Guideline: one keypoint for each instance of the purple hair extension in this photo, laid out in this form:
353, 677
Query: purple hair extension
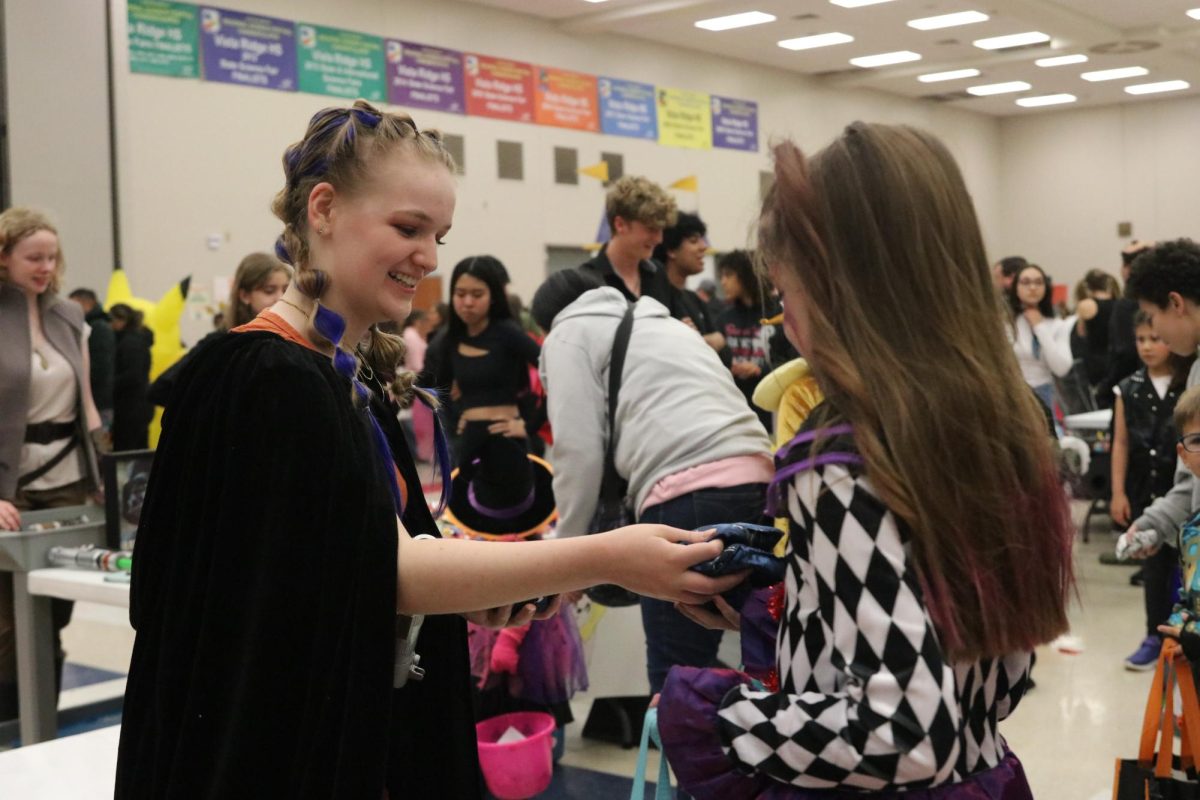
332, 326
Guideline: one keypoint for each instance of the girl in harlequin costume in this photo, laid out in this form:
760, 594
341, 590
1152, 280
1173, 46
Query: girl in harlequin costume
289, 670
506, 495
929, 548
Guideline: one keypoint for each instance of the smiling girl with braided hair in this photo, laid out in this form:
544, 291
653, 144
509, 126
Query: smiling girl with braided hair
275, 550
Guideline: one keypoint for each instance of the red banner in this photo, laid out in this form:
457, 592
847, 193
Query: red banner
498, 88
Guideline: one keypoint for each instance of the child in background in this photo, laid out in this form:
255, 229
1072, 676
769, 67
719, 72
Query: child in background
742, 324
1182, 624
1143, 467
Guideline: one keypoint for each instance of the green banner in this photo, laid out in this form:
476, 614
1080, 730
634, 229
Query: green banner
340, 63
162, 38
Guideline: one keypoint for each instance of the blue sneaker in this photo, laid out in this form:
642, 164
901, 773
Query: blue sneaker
1146, 656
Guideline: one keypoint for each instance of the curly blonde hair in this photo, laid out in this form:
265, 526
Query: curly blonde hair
639, 199
340, 147
19, 223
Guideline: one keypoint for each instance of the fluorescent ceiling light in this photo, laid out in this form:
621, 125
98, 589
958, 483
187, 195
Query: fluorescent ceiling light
1161, 86
884, 59
857, 3
595, 1
948, 20
952, 75
998, 88
735, 21
1061, 61
1115, 74
1194, 13
1012, 40
820, 40
1046, 100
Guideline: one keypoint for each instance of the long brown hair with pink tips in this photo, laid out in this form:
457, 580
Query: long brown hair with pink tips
908, 343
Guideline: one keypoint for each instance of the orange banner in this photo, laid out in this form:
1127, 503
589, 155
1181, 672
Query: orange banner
566, 99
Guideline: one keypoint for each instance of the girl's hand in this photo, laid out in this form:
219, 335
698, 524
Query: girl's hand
745, 369
10, 518
728, 619
648, 560
513, 428
1171, 630
1119, 509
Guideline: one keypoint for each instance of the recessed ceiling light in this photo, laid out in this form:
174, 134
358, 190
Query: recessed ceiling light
1046, 100
1115, 74
735, 21
884, 59
595, 1
857, 3
1012, 40
820, 40
1194, 13
1161, 86
1061, 61
954, 74
998, 88
948, 20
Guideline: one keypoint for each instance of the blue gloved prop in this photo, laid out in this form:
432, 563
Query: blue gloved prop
747, 546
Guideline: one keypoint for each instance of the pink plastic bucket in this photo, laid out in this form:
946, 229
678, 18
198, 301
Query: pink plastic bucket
516, 770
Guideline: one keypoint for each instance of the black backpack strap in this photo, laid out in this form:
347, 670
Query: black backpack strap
610, 485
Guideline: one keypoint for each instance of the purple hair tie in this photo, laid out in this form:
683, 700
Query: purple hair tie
366, 117
282, 252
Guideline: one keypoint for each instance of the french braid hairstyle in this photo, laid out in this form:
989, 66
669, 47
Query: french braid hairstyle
340, 147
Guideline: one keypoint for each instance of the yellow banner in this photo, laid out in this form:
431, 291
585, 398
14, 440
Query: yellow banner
684, 119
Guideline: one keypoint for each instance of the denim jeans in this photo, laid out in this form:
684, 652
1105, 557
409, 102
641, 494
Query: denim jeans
672, 638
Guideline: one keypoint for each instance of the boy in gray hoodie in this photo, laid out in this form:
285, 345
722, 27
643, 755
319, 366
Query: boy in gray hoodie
692, 450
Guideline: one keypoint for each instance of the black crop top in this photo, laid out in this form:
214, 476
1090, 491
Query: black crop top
496, 378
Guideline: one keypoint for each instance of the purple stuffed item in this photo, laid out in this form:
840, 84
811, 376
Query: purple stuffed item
687, 725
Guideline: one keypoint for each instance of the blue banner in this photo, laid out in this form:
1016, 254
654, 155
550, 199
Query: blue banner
627, 109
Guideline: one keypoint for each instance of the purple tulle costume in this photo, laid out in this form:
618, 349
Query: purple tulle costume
551, 667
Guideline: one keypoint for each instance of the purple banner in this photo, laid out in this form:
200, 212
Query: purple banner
247, 49
734, 123
420, 76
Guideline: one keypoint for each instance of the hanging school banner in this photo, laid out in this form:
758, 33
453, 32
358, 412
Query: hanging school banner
339, 63
162, 38
248, 49
498, 88
684, 119
627, 109
420, 76
566, 99
734, 123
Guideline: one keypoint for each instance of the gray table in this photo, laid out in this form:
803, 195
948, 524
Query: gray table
20, 553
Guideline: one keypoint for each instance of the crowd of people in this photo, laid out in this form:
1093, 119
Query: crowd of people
927, 550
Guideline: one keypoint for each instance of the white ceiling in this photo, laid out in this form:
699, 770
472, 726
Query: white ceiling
1162, 37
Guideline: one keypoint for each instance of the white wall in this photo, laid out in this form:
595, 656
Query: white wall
58, 126
199, 158
1069, 177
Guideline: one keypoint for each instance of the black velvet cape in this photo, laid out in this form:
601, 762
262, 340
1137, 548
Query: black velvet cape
264, 595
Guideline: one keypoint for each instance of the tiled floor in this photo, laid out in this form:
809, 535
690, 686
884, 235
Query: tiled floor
1085, 711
